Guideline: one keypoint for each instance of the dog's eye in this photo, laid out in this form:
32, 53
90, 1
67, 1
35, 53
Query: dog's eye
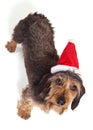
73, 88
58, 82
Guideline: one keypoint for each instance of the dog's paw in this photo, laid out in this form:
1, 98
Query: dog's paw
24, 110
23, 114
11, 46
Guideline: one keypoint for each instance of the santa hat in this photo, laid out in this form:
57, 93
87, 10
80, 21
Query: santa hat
68, 60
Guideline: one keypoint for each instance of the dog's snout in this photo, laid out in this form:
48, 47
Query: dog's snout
61, 101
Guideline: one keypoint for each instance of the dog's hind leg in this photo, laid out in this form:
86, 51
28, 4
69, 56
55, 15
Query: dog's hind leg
19, 34
11, 46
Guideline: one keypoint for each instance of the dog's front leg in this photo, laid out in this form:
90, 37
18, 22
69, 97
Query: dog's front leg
25, 104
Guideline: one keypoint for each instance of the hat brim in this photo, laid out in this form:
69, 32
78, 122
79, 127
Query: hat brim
59, 68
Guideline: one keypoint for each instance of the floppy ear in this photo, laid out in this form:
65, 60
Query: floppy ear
43, 88
77, 99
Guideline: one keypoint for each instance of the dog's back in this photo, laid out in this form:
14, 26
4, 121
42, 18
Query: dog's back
36, 34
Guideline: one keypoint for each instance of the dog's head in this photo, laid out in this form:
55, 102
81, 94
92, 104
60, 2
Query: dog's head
61, 89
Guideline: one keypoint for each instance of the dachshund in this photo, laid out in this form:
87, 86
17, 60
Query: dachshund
45, 89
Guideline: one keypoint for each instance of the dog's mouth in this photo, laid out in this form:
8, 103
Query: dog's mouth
56, 103
59, 103
56, 107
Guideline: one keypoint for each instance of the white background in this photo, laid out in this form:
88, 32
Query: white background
72, 19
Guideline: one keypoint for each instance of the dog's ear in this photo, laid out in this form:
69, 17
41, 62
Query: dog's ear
44, 87
77, 99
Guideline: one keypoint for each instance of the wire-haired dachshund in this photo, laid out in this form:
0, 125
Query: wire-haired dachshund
46, 90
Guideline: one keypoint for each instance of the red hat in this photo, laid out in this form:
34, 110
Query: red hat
68, 60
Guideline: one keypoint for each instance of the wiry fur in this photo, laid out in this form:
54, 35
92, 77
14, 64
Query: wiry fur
48, 91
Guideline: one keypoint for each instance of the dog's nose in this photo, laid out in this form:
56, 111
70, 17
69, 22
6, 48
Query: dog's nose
61, 101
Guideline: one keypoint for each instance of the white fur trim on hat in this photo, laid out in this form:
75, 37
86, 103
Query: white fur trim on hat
58, 68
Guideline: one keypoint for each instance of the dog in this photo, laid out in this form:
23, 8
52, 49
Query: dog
46, 90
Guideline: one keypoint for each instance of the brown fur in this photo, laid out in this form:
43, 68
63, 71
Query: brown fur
46, 90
